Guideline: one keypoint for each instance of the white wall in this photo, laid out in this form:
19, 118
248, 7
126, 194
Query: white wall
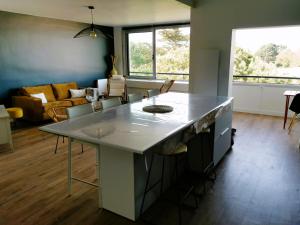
208, 64
267, 99
212, 22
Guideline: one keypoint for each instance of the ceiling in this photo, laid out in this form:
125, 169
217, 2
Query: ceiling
107, 12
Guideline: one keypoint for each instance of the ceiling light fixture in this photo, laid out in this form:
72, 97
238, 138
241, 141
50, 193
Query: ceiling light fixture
91, 31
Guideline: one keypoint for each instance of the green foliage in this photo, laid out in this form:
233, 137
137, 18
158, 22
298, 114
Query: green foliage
173, 38
140, 57
286, 63
243, 62
172, 55
269, 52
288, 58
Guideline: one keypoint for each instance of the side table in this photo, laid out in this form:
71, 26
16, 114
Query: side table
288, 94
5, 129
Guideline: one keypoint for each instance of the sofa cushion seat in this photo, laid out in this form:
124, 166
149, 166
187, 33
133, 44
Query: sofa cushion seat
77, 101
61, 91
46, 89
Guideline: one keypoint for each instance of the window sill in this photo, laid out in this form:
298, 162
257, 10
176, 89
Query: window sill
239, 83
180, 86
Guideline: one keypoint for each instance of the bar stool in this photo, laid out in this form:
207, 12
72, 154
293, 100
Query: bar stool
174, 153
295, 107
152, 92
134, 97
202, 129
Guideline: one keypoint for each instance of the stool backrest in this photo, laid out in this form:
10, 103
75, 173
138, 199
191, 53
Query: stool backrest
57, 114
79, 110
295, 105
134, 97
166, 86
109, 103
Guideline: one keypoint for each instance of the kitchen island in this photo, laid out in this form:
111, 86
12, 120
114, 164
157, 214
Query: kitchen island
125, 135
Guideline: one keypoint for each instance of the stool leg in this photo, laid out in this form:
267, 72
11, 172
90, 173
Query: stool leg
146, 186
196, 199
81, 148
56, 144
210, 145
178, 193
202, 158
162, 176
292, 122
70, 166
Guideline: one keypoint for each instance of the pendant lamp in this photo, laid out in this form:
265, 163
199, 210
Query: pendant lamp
91, 31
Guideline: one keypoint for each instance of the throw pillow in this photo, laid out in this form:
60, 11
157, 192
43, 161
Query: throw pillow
77, 93
40, 96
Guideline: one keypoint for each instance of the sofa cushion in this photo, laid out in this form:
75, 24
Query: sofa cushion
46, 89
61, 91
77, 93
40, 96
77, 101
49, 105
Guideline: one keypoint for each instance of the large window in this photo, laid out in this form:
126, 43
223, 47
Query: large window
267, 55
159, 53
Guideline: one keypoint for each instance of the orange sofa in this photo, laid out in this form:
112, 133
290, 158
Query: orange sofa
56, 95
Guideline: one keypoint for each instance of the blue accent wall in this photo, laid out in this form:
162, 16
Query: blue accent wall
36, 50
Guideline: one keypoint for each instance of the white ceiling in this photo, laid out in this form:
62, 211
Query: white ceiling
107, 12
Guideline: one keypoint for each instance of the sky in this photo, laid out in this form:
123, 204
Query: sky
253, 39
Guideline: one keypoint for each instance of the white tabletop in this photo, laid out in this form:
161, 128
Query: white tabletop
3, 112
129, 128
290, 92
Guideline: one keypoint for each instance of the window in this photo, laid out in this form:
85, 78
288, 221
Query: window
140, 47
267, 55
159, 53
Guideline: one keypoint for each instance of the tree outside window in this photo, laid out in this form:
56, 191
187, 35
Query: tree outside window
270, 55
167, 59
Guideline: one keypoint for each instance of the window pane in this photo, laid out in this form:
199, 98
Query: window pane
267, 55
140, 54
172, 53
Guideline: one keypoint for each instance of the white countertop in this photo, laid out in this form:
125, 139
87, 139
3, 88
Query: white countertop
129, 128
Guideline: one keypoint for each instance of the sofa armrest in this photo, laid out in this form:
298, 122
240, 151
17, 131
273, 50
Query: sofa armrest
32, 107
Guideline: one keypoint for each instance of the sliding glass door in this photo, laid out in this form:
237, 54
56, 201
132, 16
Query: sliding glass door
140, 54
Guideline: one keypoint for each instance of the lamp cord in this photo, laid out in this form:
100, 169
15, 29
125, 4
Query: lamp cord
92, 16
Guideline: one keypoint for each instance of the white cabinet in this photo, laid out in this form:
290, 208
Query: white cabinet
5, 131
222, 138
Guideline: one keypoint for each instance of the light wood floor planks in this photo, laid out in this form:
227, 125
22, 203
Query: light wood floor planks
258, 182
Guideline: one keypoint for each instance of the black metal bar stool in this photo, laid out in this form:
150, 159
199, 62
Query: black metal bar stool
174, 152
199, 134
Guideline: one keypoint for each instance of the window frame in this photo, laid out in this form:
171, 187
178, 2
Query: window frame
152, 29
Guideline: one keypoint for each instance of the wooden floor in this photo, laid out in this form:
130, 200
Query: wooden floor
258, 181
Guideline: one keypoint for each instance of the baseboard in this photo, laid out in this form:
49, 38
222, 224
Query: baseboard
262, 112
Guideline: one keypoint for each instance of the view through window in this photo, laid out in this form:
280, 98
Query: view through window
140, 54
159, 53
267, 55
